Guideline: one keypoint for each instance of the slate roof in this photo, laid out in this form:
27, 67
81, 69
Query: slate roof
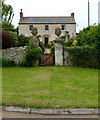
47, 20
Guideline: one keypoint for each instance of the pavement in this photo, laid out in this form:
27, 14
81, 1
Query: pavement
53, 111
6, 114
18, 112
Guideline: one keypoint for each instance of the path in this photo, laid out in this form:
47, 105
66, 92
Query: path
26, 115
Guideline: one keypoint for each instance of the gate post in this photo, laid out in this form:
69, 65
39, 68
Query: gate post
58, 48
58, 54
35, 41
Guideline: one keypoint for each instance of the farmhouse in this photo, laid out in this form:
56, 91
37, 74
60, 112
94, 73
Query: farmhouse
46, 26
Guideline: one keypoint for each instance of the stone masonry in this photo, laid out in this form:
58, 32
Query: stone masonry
15, 53
18, 53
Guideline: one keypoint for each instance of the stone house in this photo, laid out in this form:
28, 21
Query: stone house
46, 26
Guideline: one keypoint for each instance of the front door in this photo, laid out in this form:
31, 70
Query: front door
46, 40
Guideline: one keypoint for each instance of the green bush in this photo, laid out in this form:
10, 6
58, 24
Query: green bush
42, 46
8, 63
32, 55
8, 26
25, 63
50, 46
20, 40
84, 56
69, 42
89, 36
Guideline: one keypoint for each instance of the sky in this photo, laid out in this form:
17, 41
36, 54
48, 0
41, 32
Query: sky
57, 8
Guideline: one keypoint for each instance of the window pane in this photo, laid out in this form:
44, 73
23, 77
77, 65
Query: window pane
63, 27
46, 27
30, 27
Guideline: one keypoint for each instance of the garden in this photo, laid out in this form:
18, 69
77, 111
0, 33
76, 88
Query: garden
50, 87
75, 86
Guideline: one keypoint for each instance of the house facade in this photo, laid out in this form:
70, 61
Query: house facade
46, 26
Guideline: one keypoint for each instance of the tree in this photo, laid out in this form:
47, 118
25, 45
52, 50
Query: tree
7, 13
89, 36
7, 17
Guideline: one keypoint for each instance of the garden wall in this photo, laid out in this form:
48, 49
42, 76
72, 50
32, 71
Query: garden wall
14, 53
66, 59
18, 53
76, 56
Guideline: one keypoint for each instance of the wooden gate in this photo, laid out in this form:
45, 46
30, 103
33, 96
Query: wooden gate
47, 59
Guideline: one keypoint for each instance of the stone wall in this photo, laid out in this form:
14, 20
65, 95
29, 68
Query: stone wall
66, 58
15, 53
18, 53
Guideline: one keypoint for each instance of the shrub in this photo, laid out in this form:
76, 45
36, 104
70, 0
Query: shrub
69, 42
50, 46
89, 36
75, 43
8, 26
8, 63
20, 40
32, 55
15, 39
6, 40
51, 43
84, 56
52, 49
42, 46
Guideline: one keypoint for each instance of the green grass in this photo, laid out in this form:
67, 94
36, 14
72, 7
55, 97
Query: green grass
50, 87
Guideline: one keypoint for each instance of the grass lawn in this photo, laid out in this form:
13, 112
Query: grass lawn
50, 87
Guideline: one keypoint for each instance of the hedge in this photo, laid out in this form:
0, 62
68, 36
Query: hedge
8, 63
86, 56
33, 53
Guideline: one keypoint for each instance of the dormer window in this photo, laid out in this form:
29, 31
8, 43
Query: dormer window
46, 27
63, 27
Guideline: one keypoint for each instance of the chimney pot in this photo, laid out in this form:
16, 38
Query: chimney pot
72, 15
21, 14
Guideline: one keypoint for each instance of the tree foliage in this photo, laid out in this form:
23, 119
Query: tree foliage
87, 51
7, 17
8, 26
89, 36
20, 40
7, 13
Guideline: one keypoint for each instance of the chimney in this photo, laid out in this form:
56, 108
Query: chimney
72, 15
21, 14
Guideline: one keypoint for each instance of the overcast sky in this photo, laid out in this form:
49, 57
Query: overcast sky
57, 8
